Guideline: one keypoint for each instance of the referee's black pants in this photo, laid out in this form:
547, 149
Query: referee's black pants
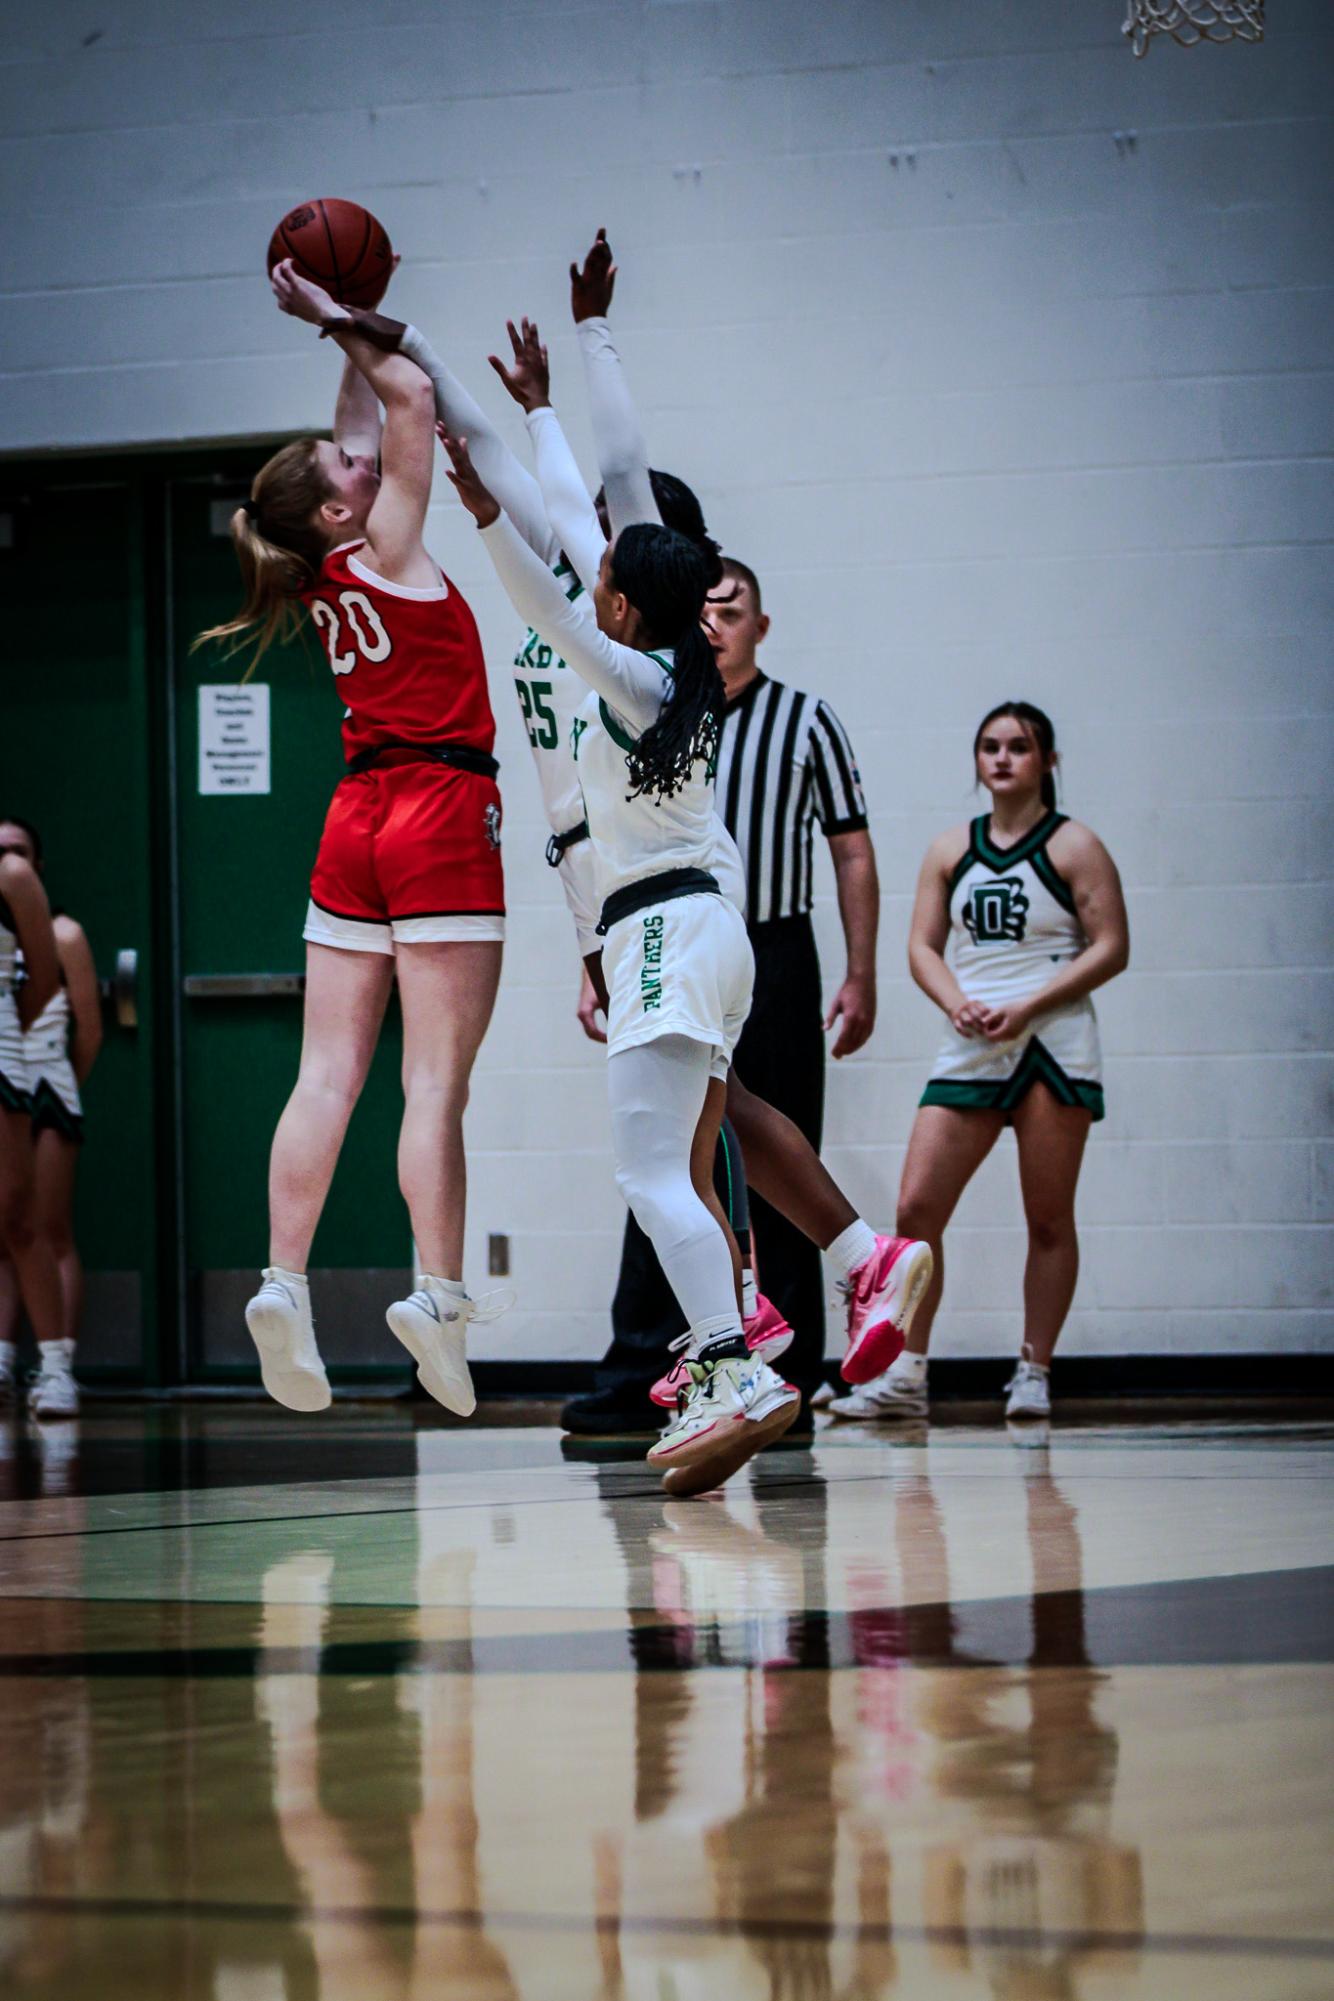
780, 1057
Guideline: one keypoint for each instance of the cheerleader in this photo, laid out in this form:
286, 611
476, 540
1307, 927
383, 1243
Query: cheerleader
1033, 902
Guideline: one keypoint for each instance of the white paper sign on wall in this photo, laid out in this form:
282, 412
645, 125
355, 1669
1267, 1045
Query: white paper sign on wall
234, 738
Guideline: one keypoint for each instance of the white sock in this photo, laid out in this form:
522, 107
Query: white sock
288, 1277
851, 1247
750, 1295
908, 1366
453, 1287
8, 1354
710, 1333
56, 1357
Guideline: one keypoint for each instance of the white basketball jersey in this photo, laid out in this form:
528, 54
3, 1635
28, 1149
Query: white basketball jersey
551, 695
638, 834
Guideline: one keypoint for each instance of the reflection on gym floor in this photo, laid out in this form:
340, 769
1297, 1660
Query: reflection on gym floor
881, 1720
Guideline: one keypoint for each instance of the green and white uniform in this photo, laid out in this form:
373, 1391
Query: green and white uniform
55, 1088
680, 965
15, 1081
1013, 921
550, 696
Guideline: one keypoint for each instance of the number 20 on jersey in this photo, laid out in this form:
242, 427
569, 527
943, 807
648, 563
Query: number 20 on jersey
370, 641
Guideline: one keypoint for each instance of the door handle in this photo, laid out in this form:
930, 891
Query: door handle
125, 988
243, 986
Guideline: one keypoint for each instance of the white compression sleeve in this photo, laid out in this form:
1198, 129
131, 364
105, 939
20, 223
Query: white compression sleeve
572, 515
657, 1093
621, 447
511, 483
630, 682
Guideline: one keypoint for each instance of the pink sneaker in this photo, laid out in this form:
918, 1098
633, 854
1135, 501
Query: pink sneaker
882, 1295
767, 1335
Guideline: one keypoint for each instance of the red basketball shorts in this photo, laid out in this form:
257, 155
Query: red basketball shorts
410, 854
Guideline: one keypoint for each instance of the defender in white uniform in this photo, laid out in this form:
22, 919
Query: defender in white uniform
678, 961
1013, 920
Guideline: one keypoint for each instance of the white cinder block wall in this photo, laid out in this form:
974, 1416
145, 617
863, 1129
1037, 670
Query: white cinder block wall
1005, 359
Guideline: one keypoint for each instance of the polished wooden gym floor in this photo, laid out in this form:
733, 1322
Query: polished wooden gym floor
359, 1705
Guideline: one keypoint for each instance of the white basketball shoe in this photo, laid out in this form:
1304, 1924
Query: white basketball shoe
284, 1334
733, 1408
897, 1393
432, 1324
1029, 1390
52, 1390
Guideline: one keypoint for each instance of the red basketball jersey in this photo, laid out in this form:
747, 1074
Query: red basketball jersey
408, 662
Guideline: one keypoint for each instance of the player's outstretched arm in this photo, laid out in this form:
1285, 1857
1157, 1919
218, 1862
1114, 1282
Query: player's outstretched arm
631, 682
621, 446
395, 524
565, 498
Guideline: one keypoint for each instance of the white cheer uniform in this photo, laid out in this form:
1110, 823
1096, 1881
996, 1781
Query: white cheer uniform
1013, 922
55, 1088
15, 1082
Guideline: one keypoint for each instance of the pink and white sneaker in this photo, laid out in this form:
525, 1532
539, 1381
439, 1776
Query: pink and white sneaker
882, 1295
767, 1337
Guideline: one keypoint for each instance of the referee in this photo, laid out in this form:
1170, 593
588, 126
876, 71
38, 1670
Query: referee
784, 765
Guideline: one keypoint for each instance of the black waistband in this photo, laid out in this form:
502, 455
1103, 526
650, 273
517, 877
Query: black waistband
558, 843
664, 888
461, 756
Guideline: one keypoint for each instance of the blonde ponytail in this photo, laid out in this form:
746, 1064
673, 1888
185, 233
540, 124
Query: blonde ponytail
279, 549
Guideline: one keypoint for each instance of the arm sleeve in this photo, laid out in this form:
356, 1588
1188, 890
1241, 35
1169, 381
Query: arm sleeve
573, 518
629, 682
840, 803
511, 483
622, 451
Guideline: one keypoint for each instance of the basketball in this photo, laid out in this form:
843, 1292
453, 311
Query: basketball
339, 245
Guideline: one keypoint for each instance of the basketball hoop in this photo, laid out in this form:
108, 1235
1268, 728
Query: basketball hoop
1191, 21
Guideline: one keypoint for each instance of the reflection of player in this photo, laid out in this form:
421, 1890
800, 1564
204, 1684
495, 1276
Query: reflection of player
1032, 1876
1035, 906
407, 884
401, 1836
61, 1046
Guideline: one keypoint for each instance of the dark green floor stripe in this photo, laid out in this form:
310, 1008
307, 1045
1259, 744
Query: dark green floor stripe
1276, 1618
1015, 1938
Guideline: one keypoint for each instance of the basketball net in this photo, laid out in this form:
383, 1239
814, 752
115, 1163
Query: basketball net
1191, 21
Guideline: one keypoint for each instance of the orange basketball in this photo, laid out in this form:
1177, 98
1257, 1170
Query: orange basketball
339, 245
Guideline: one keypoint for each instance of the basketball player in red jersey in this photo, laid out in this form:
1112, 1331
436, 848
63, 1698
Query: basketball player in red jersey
407, 882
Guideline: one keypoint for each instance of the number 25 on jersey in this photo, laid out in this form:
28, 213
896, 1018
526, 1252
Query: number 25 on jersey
370, 641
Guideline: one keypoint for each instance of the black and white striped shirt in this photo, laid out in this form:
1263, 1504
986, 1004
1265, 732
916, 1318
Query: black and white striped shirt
784, 762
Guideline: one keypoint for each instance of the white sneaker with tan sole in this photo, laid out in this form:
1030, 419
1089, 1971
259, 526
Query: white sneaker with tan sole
283, 1332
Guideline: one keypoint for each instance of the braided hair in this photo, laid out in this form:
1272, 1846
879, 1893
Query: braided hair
1044, 736
665, 576
678, 507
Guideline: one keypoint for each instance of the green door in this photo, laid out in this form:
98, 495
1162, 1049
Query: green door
77, 736
243, 859
108, 569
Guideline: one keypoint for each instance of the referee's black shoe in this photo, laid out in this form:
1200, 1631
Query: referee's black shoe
612, 1413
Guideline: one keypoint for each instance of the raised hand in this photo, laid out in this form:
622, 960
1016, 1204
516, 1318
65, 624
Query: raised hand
303, 299
529, 380
480, 502
591, 288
